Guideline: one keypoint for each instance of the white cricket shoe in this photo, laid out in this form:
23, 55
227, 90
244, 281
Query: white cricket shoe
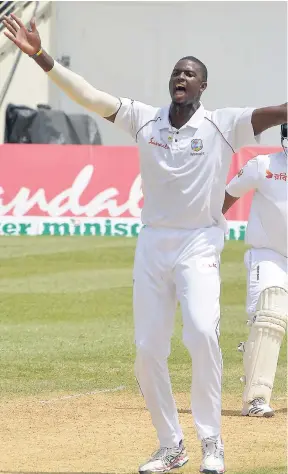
257, 407
213, 456
165, 459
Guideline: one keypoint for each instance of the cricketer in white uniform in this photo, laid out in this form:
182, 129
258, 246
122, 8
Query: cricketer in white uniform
185, 154
267, 272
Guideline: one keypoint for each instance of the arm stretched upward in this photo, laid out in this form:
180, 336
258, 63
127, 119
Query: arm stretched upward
100, 102
75, 86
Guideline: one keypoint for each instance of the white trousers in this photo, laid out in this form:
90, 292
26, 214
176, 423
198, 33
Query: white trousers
171, 265
265, 268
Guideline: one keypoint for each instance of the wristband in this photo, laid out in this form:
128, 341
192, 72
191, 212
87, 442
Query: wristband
36, 55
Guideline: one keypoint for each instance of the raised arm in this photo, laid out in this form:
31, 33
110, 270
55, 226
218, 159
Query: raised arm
268, 117
75, 86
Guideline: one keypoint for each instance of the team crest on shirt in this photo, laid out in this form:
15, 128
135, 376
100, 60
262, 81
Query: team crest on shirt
196, 144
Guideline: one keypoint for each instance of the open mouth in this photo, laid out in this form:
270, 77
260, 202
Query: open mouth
180, 90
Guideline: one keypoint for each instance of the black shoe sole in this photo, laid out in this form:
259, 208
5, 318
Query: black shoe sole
266, 415
208, 471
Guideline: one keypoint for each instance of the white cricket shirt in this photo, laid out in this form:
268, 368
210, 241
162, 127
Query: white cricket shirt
184, 171
267, 223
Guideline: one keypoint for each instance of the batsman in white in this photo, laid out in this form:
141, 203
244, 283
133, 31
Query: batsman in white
185, 154
267, 272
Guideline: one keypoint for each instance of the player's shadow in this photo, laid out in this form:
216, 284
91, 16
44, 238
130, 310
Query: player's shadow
233, 412
188, 412
66, 472
58, 472
238, 412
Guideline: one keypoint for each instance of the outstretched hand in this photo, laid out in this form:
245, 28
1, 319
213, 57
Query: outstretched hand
27, 40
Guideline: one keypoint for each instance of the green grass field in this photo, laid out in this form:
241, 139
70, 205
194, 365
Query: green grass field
66, 319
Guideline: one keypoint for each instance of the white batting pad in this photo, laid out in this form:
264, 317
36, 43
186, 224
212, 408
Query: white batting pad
262, 348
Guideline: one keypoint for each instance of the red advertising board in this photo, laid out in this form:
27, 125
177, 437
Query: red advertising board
67, 189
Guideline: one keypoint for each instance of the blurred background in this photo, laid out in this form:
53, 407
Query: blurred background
130, 48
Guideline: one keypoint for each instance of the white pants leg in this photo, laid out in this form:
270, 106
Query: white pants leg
265, 269
154, 302
198, 290
189, 260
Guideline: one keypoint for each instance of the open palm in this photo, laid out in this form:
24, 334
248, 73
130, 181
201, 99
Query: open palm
27, 40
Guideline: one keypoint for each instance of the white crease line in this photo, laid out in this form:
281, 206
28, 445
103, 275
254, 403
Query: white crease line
105, 390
